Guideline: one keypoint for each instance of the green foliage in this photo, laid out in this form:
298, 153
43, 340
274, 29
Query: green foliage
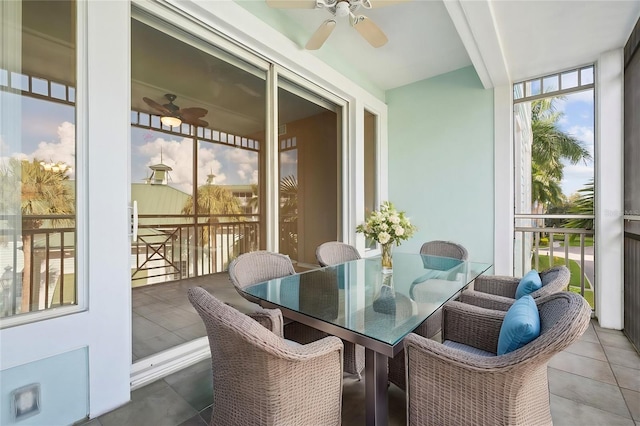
289, 216
214, 201
289, 198
36, 191
549, 147
584, 206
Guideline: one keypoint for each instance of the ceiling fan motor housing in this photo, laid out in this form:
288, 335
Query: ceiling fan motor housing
343, 8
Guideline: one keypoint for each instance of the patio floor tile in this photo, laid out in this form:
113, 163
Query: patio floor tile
588, 391
567, 412
583, 366
164, 407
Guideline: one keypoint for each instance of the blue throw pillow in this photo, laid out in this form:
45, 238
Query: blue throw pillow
520, 326
529, 283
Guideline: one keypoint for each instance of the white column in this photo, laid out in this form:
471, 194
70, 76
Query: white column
106, 104
609, 190
503, 181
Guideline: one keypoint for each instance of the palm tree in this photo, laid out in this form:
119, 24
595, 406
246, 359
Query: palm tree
289, 215
213, 200
545, 189
255, 199
41, 192
549, 147
584, 206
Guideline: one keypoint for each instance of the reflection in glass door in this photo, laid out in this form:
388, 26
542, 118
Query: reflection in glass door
309, 164
38, 254
197, 139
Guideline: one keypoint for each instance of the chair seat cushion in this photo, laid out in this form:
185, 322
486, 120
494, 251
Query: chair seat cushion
529, 283
520, 326
467, 348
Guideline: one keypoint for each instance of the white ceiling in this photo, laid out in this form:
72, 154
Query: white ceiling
505, 40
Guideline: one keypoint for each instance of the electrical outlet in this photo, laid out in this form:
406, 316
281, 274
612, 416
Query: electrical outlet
25, 401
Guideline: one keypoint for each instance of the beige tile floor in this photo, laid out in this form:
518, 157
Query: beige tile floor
596, 381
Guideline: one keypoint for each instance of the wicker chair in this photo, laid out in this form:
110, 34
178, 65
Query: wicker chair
499, 292
333, 253
446, 385
258, 266
432, 325
259, 379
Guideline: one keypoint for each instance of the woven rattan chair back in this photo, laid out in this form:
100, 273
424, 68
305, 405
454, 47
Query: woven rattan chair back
258, 266
259, 379
335, 252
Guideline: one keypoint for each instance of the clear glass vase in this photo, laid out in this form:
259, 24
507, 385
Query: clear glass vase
387, 259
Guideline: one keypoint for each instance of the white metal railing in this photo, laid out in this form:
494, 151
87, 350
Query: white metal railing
537, 241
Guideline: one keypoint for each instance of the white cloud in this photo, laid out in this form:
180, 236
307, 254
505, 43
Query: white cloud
582, 133
289, 157
179, 156
576, 176
60, 151
208, 164
245, 163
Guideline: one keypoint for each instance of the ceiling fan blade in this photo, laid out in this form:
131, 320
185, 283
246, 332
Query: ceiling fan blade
370, 31
321, 35
195, 121
292, 4
158, 107
382, 3
194, 112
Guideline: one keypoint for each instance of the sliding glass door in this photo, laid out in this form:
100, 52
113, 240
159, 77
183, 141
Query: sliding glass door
309, 134
203, 159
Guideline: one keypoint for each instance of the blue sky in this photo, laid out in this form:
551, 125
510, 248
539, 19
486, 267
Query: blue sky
578, 121
48, 132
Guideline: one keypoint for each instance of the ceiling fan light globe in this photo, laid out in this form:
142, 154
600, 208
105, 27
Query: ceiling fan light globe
170, 121
342, 9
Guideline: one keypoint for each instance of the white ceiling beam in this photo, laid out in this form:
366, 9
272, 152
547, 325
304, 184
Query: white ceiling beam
474, 21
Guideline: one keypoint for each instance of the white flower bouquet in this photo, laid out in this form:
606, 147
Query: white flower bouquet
387, 225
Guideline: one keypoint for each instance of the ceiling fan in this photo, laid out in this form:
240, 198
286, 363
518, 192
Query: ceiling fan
173, 115
340, 8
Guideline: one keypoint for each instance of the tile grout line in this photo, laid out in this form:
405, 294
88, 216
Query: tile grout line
626, 404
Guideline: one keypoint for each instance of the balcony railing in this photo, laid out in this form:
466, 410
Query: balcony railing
174, 247
46, 255
168, 248
539, 247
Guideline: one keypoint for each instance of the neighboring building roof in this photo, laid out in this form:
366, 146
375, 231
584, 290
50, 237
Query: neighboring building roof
158, 199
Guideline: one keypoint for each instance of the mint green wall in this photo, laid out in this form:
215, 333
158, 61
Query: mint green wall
64, 389
441, 160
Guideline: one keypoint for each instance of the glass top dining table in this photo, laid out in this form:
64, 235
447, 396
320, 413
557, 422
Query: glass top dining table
359, 303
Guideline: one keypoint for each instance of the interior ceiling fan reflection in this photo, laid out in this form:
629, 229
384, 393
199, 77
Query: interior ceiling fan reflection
173, 115
340, 8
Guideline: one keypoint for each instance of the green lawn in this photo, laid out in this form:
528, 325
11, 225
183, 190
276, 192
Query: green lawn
574, 268
588, 241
